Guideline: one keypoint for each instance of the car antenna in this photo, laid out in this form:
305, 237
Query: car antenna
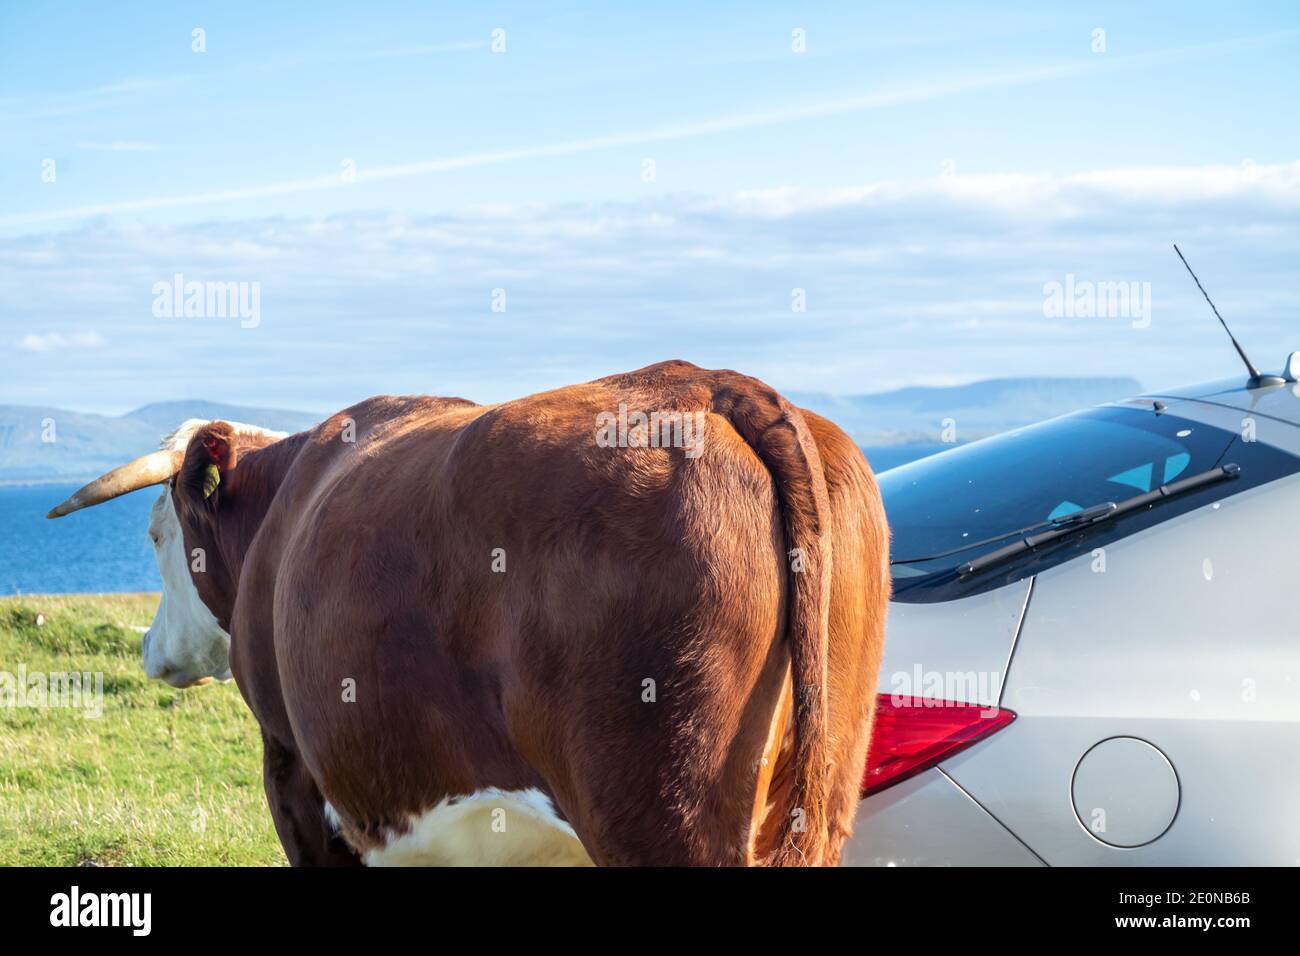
1256, 379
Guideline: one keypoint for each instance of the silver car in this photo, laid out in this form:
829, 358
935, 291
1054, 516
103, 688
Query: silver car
1091, 656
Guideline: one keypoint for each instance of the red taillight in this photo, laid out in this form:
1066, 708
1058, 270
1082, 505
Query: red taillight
911, 734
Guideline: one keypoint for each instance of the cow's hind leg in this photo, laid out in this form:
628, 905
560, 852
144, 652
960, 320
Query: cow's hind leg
298, 810
659, 761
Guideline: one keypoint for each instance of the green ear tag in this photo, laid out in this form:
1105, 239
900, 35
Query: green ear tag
211, 478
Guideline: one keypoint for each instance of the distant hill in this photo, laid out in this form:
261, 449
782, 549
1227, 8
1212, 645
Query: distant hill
167, 415
893, 427
915, 415
87, 445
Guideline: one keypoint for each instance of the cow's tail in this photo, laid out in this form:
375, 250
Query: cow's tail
778, 434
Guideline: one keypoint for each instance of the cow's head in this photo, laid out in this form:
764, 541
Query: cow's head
185, 645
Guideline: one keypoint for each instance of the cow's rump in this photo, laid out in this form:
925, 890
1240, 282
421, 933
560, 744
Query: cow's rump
505, 598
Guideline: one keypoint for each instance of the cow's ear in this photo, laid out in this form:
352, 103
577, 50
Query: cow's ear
209, 458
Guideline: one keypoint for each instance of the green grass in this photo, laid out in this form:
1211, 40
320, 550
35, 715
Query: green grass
162, 777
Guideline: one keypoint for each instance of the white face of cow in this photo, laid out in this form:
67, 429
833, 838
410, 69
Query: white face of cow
185, 645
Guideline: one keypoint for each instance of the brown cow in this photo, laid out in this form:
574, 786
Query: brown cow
551, 629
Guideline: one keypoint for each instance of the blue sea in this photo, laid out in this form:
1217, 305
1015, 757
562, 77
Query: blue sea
106, 548
102, 549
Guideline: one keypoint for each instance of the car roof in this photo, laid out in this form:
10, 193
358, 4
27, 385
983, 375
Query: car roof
1275, 401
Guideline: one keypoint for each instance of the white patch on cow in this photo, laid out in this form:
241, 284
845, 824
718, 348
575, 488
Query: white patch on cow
185, 644
332, 817
488, 828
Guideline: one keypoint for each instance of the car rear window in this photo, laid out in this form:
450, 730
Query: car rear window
949, 508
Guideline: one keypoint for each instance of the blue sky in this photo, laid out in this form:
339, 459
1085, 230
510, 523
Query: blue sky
920, 172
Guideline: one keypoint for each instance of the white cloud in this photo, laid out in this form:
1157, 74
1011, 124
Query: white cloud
1048, 196
118, 146
904, 281
58, 341
70, 102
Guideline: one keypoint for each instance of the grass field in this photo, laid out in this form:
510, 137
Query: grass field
162, 777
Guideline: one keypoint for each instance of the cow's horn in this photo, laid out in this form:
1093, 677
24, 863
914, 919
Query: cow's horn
146, 470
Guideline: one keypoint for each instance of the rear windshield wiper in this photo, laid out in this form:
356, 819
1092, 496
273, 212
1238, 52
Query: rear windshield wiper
1066, 519
1088, 517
